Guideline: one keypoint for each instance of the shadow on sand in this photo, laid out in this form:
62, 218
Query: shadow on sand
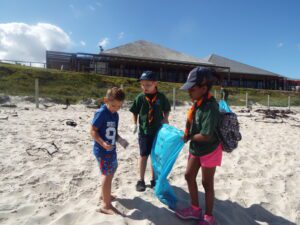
226, 212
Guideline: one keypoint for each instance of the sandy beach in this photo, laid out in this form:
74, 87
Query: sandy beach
49, 174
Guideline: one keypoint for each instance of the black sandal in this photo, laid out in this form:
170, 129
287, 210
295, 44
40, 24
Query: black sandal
140, 186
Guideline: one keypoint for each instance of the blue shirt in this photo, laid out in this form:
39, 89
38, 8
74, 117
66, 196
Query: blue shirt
107, 124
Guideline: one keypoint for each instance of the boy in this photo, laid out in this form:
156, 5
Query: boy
152, 108
104, 131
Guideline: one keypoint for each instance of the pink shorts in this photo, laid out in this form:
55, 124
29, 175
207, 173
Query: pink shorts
212, 159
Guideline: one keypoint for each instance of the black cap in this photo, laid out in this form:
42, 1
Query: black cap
148, 75
198, 75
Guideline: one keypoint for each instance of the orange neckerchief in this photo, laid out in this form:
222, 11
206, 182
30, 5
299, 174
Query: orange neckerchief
151, 110
190, 115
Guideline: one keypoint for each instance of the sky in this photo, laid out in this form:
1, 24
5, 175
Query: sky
260, 33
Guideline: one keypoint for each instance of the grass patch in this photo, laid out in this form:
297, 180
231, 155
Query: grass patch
60, 85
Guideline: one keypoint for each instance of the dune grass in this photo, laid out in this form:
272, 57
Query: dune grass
61, 85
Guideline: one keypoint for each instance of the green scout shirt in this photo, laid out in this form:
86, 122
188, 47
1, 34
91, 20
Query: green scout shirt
140, 107
205, 121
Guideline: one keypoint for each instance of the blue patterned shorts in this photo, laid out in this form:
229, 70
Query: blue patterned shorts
107, 163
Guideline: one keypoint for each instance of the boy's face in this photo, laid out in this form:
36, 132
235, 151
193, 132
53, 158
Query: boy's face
149, 87
196, 92
114, 105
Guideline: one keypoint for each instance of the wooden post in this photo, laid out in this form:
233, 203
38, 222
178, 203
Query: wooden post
174, 98
268, 101
289, 102
37, 93
215, 94
122, 86
229, 81
246, 99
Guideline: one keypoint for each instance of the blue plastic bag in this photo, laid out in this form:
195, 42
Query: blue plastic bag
165, 150
223, 106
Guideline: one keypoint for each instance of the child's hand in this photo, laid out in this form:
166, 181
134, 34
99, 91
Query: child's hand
185, 139
123, 143
107, 146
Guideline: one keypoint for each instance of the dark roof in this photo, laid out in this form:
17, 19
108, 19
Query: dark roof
147, 50
237, 67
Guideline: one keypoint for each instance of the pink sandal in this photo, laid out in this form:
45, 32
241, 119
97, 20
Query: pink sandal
189, 213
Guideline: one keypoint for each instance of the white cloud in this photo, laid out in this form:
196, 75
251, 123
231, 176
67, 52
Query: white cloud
98, 4
103, 42
280, 44
82, 43
20, 41
121, 35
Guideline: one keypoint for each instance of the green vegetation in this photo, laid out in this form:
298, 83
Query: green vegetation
62, 85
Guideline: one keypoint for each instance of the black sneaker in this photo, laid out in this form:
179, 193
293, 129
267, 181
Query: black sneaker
152, 183
140, 186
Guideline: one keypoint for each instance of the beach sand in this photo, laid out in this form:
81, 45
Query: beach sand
50, 176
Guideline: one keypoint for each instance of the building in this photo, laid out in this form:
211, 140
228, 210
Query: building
243, 75
131, 59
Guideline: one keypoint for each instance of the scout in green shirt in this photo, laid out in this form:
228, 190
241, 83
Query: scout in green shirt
205, 122
140, 107
205, 148
224, 93
151, 108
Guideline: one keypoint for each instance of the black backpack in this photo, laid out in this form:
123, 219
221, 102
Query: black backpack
229, 131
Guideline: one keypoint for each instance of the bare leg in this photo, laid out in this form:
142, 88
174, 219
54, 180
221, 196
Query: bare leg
107, 208
112, 196
152, 171
190, 176
208, 184
143, 165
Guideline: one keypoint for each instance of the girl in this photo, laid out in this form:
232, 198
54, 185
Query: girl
205, 150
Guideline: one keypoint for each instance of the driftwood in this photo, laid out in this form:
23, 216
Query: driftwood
92, 106
263, 120
9, 105
29, 150
276, 116
48, 106
274, 113
244, 111
250, 115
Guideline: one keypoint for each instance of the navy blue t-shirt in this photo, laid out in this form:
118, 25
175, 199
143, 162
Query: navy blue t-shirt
107, 124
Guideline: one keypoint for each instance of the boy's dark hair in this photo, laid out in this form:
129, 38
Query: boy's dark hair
115, 93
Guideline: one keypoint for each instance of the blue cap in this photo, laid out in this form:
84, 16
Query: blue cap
148, 75
198, 75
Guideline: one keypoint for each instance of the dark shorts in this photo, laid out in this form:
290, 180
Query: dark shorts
107, 163
145, 142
